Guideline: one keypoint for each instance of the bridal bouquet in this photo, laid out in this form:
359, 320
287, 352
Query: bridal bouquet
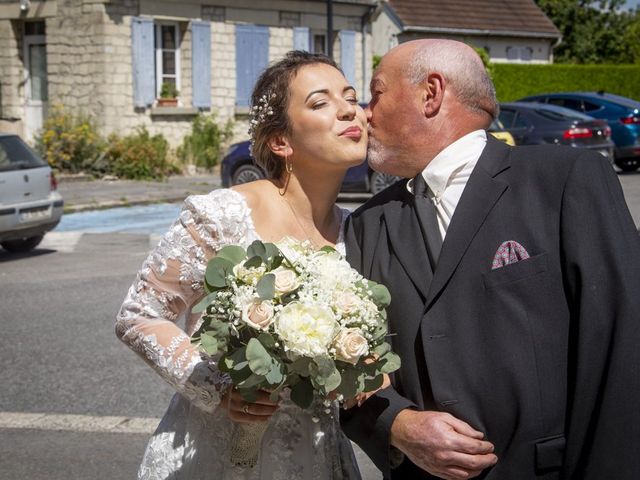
289, 316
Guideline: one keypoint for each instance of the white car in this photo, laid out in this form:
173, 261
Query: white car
30, 205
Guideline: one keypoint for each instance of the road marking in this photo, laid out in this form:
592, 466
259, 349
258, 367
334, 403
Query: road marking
61, 241
78, 423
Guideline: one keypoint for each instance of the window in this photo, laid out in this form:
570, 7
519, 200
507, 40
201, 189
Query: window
524, 54
319, 43
571, 103
591, 107
507, 117
167, 41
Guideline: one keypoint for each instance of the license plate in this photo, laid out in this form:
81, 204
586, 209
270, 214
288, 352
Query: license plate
34, 215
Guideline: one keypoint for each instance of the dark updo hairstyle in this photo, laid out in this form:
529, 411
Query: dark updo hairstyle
269, 104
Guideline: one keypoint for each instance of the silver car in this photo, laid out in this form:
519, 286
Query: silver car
30, 206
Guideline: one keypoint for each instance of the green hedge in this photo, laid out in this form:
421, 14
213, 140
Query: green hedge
516, 81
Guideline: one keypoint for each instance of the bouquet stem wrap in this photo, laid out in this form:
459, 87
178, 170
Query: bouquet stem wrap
245, 443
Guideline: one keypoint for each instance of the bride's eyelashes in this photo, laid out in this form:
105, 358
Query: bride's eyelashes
318, 105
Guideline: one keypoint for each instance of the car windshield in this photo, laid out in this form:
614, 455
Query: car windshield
561, 114
15, 155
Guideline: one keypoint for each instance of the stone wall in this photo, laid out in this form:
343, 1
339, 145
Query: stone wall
11, 75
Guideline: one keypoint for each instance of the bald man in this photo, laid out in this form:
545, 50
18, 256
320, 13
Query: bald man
515, 281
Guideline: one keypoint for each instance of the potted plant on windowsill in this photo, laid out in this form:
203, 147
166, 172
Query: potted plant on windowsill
168, 95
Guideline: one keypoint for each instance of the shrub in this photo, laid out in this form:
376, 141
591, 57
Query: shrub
516, 81
203, 146
139, 156
69, 142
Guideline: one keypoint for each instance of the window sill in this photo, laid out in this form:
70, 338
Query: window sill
174, 111
242, 111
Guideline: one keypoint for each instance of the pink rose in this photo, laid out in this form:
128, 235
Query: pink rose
258, 314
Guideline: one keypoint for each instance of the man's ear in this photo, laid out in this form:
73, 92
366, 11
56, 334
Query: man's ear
433, 93
280, 146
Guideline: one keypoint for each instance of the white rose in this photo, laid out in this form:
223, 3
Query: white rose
306, 329
258, 314
350, 345
286, 280
347, 302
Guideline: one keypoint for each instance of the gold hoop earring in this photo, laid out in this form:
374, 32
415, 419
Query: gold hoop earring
288, 166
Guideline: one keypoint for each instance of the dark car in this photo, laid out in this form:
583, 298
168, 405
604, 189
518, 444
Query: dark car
30, 206
622, 114
533, 123
238, 167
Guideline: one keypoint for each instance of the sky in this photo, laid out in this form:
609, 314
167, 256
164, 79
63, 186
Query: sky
633, 3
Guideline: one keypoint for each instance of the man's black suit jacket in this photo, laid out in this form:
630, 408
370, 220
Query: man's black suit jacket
542, 354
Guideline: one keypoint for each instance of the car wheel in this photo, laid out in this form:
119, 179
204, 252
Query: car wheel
246, 173
22, 245
628, 164
379, 181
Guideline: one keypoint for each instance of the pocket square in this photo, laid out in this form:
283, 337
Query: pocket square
508, 253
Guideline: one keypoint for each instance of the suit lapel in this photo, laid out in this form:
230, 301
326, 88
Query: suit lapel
407, 241
479, 197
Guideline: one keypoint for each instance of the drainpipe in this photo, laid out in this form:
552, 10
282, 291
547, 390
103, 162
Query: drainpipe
330, 28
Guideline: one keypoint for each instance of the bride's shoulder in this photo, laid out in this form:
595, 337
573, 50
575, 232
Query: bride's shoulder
254, 193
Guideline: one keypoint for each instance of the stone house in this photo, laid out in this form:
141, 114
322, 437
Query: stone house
509, 30
110, 58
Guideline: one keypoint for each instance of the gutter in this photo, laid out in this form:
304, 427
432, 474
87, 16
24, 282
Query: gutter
473, 31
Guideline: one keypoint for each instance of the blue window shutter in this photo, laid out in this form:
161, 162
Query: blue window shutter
142, 48
301, 38
252, 56
348, 55
201, 64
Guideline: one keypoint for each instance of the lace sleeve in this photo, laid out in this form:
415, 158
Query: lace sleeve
169, 284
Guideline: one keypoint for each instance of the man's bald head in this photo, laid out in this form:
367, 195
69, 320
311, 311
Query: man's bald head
458, 63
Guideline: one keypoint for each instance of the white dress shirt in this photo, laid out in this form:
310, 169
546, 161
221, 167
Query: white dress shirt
447, 174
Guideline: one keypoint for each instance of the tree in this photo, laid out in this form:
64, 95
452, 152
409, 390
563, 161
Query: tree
594, 31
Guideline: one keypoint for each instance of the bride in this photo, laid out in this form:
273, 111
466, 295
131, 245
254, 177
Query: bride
307, 129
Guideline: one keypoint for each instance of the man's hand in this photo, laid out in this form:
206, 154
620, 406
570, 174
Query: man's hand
441, 444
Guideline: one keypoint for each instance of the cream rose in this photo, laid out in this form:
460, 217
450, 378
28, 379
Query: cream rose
350, 345
286, 280
258, 314
347, 302
306, 329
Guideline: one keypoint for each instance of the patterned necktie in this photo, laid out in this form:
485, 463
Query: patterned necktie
428, 218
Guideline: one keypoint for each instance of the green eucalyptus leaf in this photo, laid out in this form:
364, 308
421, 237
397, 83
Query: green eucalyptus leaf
325, 366
275, 375
371, 384
209, 344
218, 269
381, 349
202, 305
260, 362
381, 295
239, 376
272, 250
300, 366
267, 340
302, 393
328, 249
266, 287
276, 262
257, 249
251, 381
234, 253
349, 385
332, 381
391, 363
253, 262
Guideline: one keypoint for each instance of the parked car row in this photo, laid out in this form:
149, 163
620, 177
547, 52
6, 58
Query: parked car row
30, 205
621, 114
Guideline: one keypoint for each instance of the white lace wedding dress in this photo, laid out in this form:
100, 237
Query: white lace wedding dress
192, 440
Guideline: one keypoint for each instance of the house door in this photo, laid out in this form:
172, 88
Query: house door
36, 89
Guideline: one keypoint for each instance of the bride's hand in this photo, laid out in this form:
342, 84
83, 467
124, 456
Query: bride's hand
240, 410
362, 397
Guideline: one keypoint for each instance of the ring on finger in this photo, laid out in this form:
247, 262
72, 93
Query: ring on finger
245, 409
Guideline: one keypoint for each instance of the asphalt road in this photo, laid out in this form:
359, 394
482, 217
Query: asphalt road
75, 403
